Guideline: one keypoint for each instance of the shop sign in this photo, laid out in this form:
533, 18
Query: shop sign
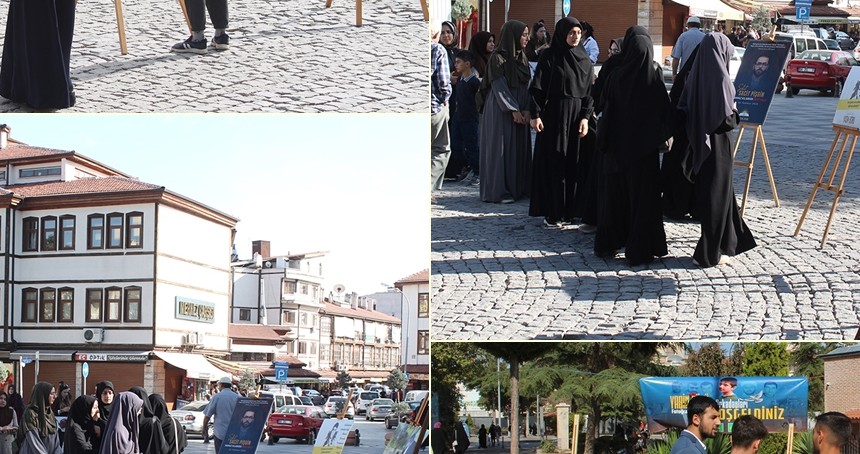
112, 357
194, 310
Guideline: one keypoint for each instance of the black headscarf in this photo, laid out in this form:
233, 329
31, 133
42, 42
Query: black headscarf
6, 412
478, 46
147, 406
605, 72
636, 99
159, 407
151, 437
570, 70
104, 409
508, 59
709, 94
80, 422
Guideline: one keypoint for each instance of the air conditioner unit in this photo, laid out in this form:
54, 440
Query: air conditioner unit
193, 339
93, 335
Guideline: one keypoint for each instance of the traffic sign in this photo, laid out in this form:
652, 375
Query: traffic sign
803, 12
85, 370
803, 3
565, 7
281, 371
26, 360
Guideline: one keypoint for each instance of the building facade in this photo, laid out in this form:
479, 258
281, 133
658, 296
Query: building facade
415, 361
841, 383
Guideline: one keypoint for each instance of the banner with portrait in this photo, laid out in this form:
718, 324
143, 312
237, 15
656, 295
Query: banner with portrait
757, 77
404, 440
777, 401
848, 108
332, 436
246, 425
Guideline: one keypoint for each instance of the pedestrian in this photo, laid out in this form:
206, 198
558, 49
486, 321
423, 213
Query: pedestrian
105, 395
196, 43
440, 92
439, 443
82, 433
123, 429
703, 416
685, 44
708, 104
38, 430
464, 121
832, 431
8, 424
15, 401
174, 434
482, 436
635, 123
482, 45
455, 169
221, 407
494, 435
151, 438
589, 43
747, 434
63, 403
538, 42
560, 108
37, 48
505, 139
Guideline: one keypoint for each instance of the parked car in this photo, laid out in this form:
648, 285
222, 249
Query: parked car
364, 400
315, 396
832, 44
306, 400
191, 416
299, 422
379, 408
334, 405
801, 42
395, 418
822, 70
279, 399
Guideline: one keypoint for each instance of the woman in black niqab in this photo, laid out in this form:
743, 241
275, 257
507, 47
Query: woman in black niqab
81, 437
151, 439
560, 108
635, 121
708, 104
174, 434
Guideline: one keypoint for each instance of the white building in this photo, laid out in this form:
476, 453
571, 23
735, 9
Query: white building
102, 268
416, 327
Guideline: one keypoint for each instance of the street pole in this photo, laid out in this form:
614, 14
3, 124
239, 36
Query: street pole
499, 392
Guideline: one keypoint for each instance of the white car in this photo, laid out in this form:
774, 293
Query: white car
334, 405
191, 416
363, 401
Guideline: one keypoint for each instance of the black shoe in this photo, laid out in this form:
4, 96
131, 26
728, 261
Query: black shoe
190, 45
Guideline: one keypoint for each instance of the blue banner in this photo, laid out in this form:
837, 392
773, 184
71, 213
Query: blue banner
777, 401
755, 82
246, 425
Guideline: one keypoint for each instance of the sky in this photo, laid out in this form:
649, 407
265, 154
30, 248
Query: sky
353, 185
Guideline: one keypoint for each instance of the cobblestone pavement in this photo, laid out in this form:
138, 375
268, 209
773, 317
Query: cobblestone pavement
497, 274
284, 56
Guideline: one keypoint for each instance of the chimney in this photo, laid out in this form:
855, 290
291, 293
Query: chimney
261, 247
4, 136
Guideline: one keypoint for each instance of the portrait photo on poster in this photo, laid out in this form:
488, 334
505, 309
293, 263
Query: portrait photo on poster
332, 436
246, 425
757, 78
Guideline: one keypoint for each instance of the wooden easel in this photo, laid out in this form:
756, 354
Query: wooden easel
789, 446
120, 23
757, 137
844, 133
424, 10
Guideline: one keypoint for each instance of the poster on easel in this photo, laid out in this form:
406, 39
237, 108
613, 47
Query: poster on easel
848, 108
246, 425
332, 436
404, 440
757, 78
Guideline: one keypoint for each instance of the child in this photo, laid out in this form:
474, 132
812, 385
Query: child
464, 121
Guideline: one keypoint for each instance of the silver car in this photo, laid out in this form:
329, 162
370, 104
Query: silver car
191, 416
379, 408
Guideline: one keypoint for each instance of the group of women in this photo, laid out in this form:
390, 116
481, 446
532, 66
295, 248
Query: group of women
130, 422
612, 177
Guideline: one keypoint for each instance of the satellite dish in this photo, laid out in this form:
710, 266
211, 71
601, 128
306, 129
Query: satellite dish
339, 288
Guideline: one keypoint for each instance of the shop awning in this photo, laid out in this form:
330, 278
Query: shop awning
44, 355
195, 366
248, 348
712, 9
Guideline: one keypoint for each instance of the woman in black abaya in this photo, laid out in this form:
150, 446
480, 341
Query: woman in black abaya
36, 52
635, 122
560, 108
708, 103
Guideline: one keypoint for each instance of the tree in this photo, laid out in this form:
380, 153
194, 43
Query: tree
396, 380
343, 379
805, 361
452, 363
761, 20
708, 361
766, 358
248, 380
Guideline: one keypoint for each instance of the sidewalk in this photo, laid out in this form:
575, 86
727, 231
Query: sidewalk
528, 445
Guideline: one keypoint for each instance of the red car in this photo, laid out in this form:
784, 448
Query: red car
823, 70
299, 422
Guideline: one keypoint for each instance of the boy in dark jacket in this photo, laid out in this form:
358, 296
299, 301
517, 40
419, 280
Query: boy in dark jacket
464, 121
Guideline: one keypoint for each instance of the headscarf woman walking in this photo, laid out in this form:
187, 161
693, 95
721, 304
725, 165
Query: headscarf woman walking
708, 103
174, 434
505, 139
635, 121
151, 439
8, 424
122, 433
82, 437
560, 108
38, 430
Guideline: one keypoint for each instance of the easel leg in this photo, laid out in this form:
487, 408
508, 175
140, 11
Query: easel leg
358, 13
738, 141
817, 183
769, 172
185, 14
328, 3
120, 23
425, 10
839, 190
749, 166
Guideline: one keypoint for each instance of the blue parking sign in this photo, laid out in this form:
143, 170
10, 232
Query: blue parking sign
281, 371
803, 12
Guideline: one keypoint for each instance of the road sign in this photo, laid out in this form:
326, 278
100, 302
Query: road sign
85, 370
565, 7
26, 360
281, 371
803, 3
803, 12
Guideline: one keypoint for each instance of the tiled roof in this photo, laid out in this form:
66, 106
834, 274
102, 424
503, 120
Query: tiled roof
17, 150
334, 309
420, 277
815, 10
854, 415
257, 332
850, 350
82, 186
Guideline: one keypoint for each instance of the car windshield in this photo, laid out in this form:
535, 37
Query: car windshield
337, 399
369, 396
292, 410
195, 406
383, 402
815, 55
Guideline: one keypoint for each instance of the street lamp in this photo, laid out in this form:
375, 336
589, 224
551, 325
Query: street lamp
404, 330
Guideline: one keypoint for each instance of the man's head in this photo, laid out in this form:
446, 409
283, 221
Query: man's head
248, 418
832, 430
694, 22
225, 382
703, 417
728, 385
770, 389
761, 65
747, 434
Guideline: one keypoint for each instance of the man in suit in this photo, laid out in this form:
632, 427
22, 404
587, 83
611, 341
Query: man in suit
703, 421
832, 431
747, 434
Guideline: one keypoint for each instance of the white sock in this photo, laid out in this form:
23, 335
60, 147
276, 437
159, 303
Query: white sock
197, 36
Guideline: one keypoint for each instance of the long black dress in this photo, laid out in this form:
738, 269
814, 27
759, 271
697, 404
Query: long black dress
560, 97
80, 429
36, 52
679, 199
707, 103
635, 121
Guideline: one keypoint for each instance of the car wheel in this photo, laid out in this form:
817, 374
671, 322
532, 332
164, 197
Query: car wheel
271, 441
837, 88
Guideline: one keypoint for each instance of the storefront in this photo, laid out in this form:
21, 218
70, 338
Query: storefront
187, 376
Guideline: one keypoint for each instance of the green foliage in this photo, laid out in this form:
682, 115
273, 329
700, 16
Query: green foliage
721, 444
248, 380
548, 446
343, 379
774, 444
396, 380
471, 423
709, 361
460, 9
766, 358
806, 362
802, 443
657, 446
761, 20
452, 363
